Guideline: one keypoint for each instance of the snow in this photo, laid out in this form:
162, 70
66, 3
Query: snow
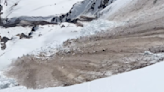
114, 7
49, 37
10, 32
99, 26
6, 82
36, 7
87, 8
52, 36
149, 79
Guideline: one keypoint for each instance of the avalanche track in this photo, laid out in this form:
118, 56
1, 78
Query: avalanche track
134, 41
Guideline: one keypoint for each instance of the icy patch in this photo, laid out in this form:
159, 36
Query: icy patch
6, 82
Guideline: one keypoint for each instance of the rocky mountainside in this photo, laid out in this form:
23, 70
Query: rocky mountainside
89, 8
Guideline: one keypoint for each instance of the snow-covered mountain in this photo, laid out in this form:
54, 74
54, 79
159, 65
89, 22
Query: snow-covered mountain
37, 8
86, 7
16, 10
49, 43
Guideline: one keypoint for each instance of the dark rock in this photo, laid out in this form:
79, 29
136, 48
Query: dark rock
24, 36
4, 39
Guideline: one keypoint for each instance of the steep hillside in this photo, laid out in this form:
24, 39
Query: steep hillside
36, 8
86, 7
57, 12
94, 39
132, 42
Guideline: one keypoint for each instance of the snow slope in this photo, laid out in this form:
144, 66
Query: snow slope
86, 7
113, 8
149, 79
55, 11
17, 8
51, 37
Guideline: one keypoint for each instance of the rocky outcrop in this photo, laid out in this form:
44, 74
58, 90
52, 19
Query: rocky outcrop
4, 40
87, 7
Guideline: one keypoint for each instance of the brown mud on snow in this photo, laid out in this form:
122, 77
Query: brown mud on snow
117, 50
90, 60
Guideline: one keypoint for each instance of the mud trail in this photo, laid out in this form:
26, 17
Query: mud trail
89, 60
120, 49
